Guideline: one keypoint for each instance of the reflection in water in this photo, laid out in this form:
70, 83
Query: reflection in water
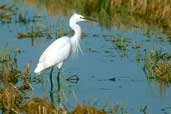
99, 9
58, 83
113, 12
51, 85
163, 87
58, 80
51, 81
73, 79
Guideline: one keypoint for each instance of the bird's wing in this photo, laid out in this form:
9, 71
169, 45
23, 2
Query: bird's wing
57, 52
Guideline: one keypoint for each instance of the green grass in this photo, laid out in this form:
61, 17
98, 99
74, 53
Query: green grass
157, 65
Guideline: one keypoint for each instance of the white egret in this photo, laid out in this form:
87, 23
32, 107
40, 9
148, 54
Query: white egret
58, 52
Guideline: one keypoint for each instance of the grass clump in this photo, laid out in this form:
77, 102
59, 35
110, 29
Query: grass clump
31, 34
81, 109
6, 13
9, 71
120, 43
135, 45
40, 106
125, 46
157, 65
11, 97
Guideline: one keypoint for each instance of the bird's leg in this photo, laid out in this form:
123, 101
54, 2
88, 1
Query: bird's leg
52, 96
51, 83
59, 86
58, 79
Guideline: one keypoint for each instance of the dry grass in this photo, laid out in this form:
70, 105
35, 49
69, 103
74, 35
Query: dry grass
25, 77
122, 13
81, 109
10, 95
39, 106
162, 71
10, 99
9, 72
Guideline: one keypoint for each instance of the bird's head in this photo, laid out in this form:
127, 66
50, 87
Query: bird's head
78, 18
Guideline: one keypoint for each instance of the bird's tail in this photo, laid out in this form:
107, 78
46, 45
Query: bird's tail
39, 68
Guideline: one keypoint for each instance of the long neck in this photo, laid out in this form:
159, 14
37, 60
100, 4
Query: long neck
77, 31
75, 38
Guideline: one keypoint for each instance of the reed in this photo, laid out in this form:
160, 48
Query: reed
109, 12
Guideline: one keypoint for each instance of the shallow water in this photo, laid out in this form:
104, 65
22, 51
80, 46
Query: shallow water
105, 72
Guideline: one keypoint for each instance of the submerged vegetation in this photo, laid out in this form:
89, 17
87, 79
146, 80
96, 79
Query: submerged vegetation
120, 43
125, 45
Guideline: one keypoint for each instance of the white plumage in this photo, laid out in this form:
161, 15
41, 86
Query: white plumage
55, 54
60, 49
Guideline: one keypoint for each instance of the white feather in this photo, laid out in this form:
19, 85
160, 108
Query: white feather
55, 54
60, 49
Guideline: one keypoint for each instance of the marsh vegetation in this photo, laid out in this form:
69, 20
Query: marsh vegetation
140, 13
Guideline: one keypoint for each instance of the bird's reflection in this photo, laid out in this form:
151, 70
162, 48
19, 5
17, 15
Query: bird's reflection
55, 93
52, 92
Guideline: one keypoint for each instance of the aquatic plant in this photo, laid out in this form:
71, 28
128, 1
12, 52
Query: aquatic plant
135, 45
9, 71
34, 34
120, 43
157, 65
6, 13
31, 34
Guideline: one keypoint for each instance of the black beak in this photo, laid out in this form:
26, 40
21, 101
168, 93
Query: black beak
86, 18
